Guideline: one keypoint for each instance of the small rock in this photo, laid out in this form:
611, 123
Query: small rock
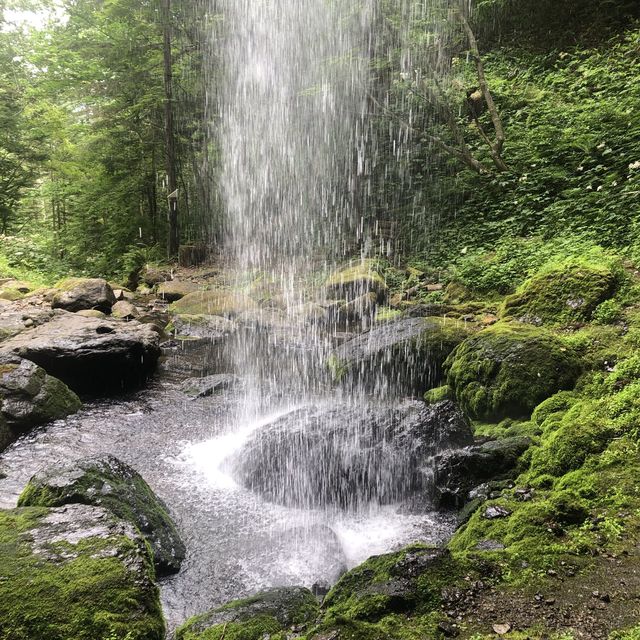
550, 601
552, 573
496, 511
449, 630
502, 629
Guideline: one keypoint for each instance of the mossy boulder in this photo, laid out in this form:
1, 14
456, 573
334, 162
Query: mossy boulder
508, 369
458, 471
173, 290
567, 293
78, 294
29, 397
267, 614
393, 583
109, 483
406, 355
355, 281
15, 290
76, 573
215, 302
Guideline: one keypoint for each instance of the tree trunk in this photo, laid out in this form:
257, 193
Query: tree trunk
173, 243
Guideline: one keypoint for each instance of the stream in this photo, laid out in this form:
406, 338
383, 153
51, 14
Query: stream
237, 543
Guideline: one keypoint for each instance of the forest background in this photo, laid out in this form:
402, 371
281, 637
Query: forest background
99, 107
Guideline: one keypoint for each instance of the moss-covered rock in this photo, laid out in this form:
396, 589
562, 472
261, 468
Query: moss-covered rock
216, 302
356, 280
75, 573
569, 292
109, 483
173, 290
439, 394
508, 369
270, 614
406, 355
77, 294
409, 580
29, 397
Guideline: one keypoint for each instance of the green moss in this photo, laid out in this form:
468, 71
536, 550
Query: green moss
107, 483
356, 279
508, 369
551, 407
86, 593
216, 302
563, 293
270, 613
392, 583
586, 429
438, 394
387, 314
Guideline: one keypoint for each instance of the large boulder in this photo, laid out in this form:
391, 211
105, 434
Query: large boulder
75, 572
89, 354
459, 471
508, 369
78, 294
109, 483
393, 583
405, 356
260, 616
29, 397
567, 293
215, 302
349, 455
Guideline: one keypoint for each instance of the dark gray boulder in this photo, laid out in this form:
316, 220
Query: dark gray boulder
90, 355
78, 294
348, 454
109, 483
405, 356
29, 397
459, 471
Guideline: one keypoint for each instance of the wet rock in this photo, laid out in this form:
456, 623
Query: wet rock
29, 397
92, 313
348, 454
77, 294
264, 614
457, 472
17, 317
215, 302
210, 385
90, 355
109, 483
490, 545
174, 290
355, 281
76, 572
203, 326
151, 276
494, 511
124, 310
387, 584
406, 355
